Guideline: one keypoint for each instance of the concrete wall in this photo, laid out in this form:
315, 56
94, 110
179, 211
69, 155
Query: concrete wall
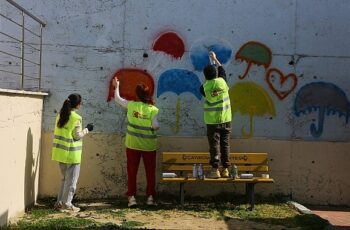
293, 101
20, 135
303, 170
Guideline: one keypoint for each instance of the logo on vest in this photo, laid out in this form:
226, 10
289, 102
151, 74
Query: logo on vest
215, 92
139, 115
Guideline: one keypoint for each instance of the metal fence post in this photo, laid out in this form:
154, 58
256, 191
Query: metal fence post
40, 54
22, 53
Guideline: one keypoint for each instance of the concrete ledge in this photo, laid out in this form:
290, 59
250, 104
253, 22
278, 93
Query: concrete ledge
300, 207
23, 92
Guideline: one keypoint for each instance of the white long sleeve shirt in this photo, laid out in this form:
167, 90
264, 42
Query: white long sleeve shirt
124, 103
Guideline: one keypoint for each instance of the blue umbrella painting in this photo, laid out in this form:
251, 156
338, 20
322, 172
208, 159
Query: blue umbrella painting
178, 81
199, 52
326, 98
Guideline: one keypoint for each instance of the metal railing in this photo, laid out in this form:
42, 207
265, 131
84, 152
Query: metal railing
23, 43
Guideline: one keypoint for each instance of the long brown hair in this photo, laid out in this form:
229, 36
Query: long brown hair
70, 103
144, 94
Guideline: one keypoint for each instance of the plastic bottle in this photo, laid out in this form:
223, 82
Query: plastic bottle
200, 171
234, 172
194, 171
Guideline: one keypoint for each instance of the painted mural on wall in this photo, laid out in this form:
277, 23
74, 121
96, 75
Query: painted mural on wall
256, 53
178, 81
280, 84
325, 99
248, 98
129, 78
170, 43
200, 49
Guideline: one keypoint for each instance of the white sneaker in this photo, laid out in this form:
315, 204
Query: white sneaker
150, 201
132, 202
70, 208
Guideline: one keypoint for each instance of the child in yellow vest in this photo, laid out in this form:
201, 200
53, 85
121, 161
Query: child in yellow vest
67, 149
217, 116
141, 140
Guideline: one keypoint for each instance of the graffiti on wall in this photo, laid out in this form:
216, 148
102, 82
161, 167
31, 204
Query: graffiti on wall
170, 43
178, 81
200, 49
129, 79
254, 53
248, 98
280, 84
323, 98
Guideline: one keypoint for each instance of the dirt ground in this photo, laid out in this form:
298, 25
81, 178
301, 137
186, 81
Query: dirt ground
160, 218
210, 214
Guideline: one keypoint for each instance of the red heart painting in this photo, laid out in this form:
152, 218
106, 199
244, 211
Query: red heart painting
280, 92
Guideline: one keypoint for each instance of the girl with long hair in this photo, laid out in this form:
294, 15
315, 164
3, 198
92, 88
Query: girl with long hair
141, 140
67, 149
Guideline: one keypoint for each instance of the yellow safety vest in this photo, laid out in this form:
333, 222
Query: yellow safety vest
217, 107
140, 134
65, 149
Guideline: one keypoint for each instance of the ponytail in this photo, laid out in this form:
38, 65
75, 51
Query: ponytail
70, 103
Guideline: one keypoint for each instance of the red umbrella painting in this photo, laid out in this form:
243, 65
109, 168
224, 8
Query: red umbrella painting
129, 79
254, 53
171, 44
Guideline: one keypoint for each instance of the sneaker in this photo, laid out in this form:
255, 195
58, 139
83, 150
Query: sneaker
214, 173
150, 201
132, 202
70, 208
58, 205
225, 173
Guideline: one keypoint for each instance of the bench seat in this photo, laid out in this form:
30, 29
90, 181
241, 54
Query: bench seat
181, 163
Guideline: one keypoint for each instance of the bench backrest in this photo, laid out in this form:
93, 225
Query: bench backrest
183, 162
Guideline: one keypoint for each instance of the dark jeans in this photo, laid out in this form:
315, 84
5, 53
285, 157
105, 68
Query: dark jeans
219, 142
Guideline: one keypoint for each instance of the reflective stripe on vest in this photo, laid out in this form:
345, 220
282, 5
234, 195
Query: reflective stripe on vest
140, 134
226, 107
140, 127
59, 146
217, 107
63, 138
218, 102
65, 149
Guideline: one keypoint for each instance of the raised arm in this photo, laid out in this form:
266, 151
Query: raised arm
121, 101
221, 70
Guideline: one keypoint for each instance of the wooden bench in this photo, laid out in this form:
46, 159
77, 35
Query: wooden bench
181, 163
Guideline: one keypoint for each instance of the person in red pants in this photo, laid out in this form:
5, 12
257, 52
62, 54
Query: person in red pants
141, 139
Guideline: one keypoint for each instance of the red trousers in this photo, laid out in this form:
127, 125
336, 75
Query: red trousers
133, 160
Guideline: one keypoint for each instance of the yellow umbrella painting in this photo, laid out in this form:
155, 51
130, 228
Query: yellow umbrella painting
250, 99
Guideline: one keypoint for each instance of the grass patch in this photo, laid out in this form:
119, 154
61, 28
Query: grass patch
53, 223
116, 213
269, 211
37, 213
131, 224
